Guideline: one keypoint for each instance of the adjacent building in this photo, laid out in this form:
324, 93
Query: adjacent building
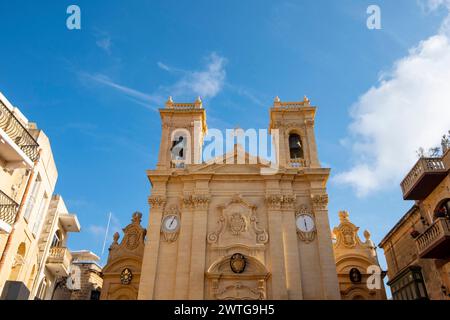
34, 223
417, 249
359, 273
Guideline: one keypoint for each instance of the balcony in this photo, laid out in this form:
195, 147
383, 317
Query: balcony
424, 177
58, 261
297, 163
8, 213
434, 243
17, 145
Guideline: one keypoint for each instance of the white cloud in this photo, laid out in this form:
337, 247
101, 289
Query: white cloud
409, 108
206, 83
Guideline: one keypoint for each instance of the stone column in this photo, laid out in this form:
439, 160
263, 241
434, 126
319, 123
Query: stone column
198, 255
184, 250
277, 264
151, 251
330, 283
290, 242
312, 146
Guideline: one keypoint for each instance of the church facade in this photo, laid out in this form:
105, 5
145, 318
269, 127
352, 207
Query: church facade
226, 229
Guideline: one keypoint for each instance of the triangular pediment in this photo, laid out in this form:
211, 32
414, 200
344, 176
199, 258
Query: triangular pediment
236, 161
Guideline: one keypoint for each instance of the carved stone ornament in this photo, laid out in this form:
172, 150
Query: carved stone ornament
346, 233
238, 222
157, 202
238, 263
320, 201
126, 276
196, 201
277, 202
172, 215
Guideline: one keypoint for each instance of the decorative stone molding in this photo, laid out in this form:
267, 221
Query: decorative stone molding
238, 219
274, 201
320, 201
288, 202
196, 201
309, 122
157, 202
277, 202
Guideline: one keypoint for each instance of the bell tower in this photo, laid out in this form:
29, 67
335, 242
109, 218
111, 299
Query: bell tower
296, 144
183, 127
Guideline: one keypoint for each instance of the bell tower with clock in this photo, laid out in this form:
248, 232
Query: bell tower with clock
226, 230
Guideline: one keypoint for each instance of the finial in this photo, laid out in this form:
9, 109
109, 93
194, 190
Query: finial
116, 237
305, 100
343, 216
137, 217
367, 235
198, 102
169, 103
277, 99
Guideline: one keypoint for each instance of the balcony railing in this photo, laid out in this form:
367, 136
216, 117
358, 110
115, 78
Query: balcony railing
429, 170
297, 163
18, 133
59, 259
8, 209
435, 241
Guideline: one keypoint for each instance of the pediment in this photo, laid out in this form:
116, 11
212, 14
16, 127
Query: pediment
236, 161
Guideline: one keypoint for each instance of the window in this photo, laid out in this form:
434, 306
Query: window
56, 242
40, 216
95, 294
295, 146
443, 209
409, 285
32, 198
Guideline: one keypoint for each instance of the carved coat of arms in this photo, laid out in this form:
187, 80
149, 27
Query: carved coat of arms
238, 263
237, 224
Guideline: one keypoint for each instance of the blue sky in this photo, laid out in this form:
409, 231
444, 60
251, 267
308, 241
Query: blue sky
95, 91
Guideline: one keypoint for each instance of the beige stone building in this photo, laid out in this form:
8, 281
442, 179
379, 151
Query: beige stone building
86, 278
228, 229
417, 249
33, 222
357, 263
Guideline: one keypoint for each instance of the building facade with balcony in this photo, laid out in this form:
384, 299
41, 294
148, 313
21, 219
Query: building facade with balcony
28, 222
417, 249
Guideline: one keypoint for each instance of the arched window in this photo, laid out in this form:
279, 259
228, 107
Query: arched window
295, 146
443, 209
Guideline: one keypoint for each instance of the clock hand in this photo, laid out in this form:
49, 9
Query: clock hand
306, 226
171, 222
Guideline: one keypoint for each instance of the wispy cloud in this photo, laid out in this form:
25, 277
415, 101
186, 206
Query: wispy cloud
207, 83
137, 96
407, 109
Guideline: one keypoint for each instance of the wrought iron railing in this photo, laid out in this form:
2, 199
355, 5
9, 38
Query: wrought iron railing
18, 133
439, 229
424, 165
8, 209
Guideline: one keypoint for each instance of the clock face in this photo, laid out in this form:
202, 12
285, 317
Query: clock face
305, 223
171, 223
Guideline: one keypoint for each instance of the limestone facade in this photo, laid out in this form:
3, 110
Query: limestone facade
224, 229
357, 263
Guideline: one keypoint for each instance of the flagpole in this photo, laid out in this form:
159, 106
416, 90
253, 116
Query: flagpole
106, 233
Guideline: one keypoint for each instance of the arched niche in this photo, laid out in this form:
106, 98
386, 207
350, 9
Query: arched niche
224, 284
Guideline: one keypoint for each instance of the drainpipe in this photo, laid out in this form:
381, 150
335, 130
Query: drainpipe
19, 212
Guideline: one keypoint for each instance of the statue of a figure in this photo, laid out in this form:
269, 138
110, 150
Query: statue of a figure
445, 143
